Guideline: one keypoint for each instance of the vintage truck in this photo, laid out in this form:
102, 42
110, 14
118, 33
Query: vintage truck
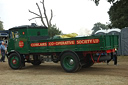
32, 44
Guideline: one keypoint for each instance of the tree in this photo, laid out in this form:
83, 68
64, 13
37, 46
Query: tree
1, 25
97, 1
118, 14
53, 30
99, 26
40, 15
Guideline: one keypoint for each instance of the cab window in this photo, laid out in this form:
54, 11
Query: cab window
14, 34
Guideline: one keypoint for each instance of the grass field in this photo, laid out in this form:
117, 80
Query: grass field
53, 74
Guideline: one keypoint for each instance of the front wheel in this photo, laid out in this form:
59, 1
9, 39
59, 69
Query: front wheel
70, 62
14, 61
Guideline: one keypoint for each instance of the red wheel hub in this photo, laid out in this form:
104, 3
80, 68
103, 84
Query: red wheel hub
14, 61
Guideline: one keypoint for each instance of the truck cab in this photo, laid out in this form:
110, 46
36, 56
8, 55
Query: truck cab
21, 36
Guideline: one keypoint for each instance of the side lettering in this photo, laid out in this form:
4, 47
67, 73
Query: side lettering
38, 44
88, 41
58, 43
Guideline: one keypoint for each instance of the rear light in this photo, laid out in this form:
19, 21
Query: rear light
110, 51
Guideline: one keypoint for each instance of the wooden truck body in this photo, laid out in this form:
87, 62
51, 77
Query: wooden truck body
32, 44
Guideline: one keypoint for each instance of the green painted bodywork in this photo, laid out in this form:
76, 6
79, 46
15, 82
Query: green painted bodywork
40, 34
66, 62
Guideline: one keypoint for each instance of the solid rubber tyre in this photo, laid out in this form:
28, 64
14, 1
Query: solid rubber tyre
70, 62
88, 62
14, 61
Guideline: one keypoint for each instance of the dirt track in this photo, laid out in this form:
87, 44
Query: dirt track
53, 74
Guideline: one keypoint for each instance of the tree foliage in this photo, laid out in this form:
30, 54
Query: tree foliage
118, 14
1, 25
110, 1
99, 26
53, 30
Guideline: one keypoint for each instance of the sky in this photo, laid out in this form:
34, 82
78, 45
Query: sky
70, 16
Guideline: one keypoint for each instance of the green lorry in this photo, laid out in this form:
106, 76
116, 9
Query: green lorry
32, 44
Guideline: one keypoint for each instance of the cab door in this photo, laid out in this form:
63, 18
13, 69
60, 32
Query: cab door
11, 41
20, 40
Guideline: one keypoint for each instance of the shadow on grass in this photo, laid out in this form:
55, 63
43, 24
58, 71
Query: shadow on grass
56, 69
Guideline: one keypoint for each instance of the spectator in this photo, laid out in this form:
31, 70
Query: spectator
2, 52
114, 58
5, 48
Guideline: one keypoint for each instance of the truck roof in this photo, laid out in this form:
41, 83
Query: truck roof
28, 26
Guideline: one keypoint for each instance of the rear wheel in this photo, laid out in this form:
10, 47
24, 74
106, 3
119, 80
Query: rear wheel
88, 61
70, 62
14, 61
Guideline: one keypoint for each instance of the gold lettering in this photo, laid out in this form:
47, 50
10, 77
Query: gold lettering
90, 41
78, 41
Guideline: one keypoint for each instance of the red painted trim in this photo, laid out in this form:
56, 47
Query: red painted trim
92, 58
98, 58
38, 44
62, 43
21, 44
88, 41
59, 43
110, 51
93, 52
23, 33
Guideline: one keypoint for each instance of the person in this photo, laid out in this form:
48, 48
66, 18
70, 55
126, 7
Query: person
2, 52
114, 57
5, 48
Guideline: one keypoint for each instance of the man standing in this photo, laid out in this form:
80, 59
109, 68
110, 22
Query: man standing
2, 52
113, 57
